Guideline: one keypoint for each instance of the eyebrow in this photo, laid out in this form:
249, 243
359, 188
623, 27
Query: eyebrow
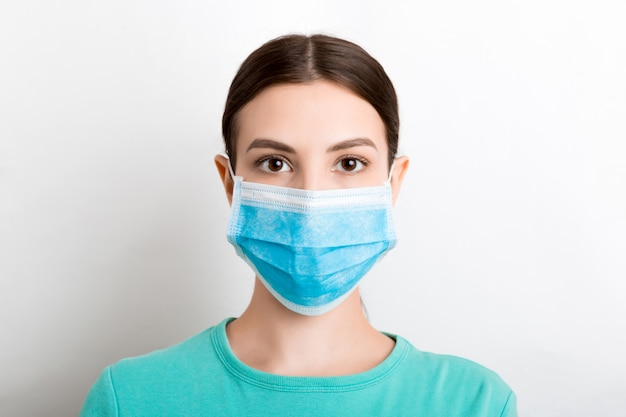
351, 143
279, 146
269, 143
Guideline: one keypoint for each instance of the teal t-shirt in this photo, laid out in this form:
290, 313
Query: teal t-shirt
202, 377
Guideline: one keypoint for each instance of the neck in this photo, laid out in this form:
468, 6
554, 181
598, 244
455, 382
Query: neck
272, 338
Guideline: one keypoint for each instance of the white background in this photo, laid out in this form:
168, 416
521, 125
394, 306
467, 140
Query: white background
512, 219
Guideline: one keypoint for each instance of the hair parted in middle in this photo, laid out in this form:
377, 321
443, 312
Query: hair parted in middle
302, 59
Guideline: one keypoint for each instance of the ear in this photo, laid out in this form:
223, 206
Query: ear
400, 166
221, 162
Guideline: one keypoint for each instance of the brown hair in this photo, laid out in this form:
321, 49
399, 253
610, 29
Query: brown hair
301, 59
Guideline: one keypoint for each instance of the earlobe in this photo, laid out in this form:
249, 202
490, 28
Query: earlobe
222, 162
400, 167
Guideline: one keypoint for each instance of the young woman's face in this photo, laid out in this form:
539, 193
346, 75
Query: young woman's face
315, 136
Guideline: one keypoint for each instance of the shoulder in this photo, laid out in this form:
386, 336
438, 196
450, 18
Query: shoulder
142, 384
458, 381
170, 361
449, 367
159, 369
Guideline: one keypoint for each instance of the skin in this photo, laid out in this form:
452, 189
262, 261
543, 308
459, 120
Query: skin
315, 136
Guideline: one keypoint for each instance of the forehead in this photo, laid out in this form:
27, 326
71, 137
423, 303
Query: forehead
319, 112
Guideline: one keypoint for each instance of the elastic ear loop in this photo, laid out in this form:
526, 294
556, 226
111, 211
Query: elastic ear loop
230, 167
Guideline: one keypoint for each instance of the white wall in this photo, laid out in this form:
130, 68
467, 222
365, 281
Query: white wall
512, 220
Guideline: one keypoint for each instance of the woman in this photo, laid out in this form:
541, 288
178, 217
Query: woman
311, 134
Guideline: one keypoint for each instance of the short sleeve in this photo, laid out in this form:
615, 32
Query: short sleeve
101, 400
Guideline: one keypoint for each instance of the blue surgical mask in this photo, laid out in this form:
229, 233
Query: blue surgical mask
310, 248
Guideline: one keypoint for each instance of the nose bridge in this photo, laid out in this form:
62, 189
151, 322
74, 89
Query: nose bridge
311, 175
308, 180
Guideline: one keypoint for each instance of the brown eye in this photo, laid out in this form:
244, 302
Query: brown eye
350, 165
274, 164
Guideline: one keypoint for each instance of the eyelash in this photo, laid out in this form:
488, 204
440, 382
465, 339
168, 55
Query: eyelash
358, 158
266, 158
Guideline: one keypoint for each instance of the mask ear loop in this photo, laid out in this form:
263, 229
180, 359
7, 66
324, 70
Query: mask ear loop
230, 170
230, 167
